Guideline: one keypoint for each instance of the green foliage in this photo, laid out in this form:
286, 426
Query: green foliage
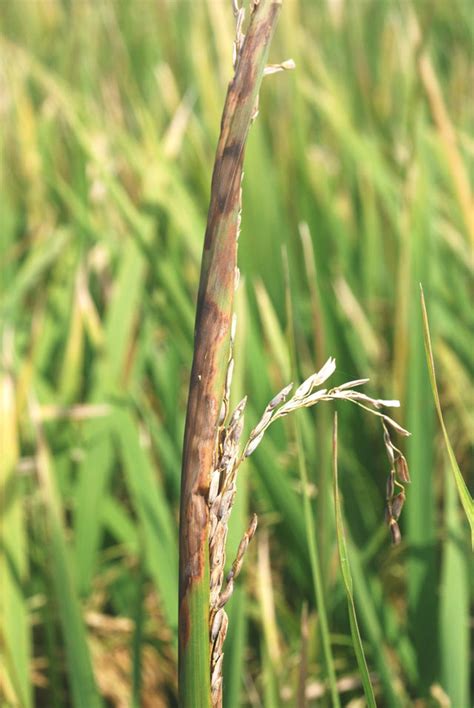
110, 117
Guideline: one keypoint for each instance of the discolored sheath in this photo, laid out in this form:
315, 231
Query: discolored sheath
211, 348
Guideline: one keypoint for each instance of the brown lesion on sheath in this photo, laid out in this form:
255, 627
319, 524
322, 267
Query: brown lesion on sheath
225, 200
260, 37
226, 189
184, 621
203, 409
210, 313
196, 516
239, 107
233, 151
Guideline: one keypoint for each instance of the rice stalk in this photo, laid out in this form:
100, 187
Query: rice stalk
347, 579
218, 280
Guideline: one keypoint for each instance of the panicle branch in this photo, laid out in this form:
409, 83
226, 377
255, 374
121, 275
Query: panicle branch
223, 480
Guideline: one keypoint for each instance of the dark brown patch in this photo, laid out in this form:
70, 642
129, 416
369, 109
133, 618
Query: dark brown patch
227, 195
207, 238
233, 150
192, 545
184, 623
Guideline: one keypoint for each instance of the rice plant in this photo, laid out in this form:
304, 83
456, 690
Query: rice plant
356, 190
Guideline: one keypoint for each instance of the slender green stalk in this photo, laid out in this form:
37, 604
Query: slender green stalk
463, 492
454, 615
347, 578
316, 570
211, 348
310, 525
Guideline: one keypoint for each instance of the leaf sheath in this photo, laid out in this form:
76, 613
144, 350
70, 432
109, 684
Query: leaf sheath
211, 347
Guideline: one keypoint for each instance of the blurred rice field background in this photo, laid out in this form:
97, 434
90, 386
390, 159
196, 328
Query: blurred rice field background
358, 172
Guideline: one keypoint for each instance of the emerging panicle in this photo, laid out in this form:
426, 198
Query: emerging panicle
305, 396
222, 488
